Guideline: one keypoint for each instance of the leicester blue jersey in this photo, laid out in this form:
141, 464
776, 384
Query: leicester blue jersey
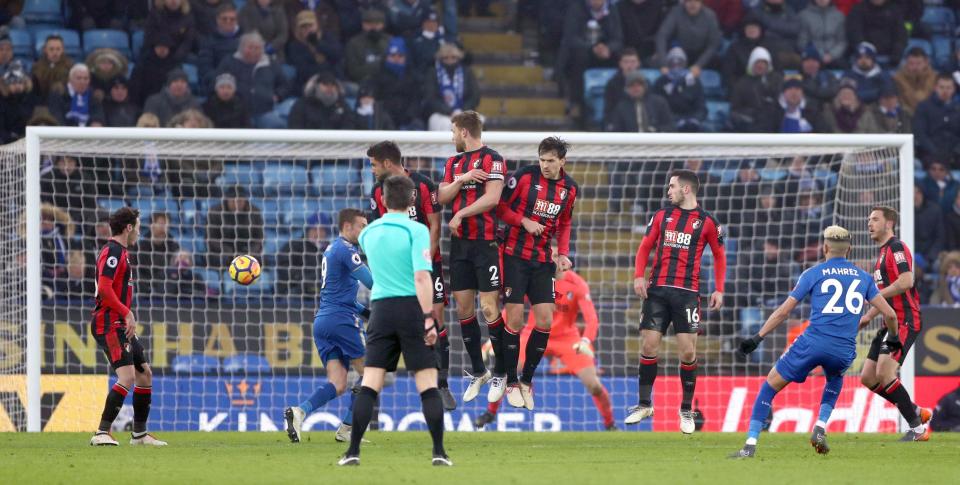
837, 291
342, 268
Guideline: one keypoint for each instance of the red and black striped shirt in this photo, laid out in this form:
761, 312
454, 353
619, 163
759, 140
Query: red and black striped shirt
895, 259
548, 202
482, 227
679, 236
114, 288
424, 201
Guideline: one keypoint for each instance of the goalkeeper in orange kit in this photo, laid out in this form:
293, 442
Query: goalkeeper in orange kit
575, 350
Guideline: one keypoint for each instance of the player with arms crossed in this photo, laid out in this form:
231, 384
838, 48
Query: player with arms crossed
837, 289
386, 160
472, 184
401, 316
567, 343
337, 331
678, 233
536, 206
115, 329
893, 273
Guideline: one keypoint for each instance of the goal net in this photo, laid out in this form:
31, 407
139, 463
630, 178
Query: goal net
229, 357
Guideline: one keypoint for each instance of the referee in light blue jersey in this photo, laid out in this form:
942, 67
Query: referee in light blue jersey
398, 253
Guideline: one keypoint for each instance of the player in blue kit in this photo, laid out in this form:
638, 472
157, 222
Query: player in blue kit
837, 290
337, 331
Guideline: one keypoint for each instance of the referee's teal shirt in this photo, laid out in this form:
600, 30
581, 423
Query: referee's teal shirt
396, 247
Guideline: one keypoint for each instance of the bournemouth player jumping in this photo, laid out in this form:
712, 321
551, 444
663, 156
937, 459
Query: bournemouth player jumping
115, 329
385, 158
536, 205
472, 184
893, 273
567, 343
678, 234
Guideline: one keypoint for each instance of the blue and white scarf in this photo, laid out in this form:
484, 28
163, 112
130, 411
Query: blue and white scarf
79, 106
451, 88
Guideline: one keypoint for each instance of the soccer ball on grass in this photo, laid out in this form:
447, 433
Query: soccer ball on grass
244, 269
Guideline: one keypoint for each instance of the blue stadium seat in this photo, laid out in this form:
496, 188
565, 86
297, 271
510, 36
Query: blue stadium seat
773, 174
921, 43
827, 176
285, 179
193, 76
194, 242
651, 75
239, 4
273, 242
246, 363
149, 205
136, 43
71, 41
289, 72
940, 20
717, 113
594, 82
335, 179
195, 363
42, 12
211, 277
283, 108
712, 84
246, 174
942, 52
22, 43
110, 205
272, 211
113, 39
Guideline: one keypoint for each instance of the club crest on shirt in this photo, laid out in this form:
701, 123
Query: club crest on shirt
570, 295
476, 164
696, 224
563, 194
507, 291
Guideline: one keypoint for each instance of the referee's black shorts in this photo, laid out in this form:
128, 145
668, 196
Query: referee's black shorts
396, 327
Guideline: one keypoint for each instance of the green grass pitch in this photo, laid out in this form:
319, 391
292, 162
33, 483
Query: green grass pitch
500, 458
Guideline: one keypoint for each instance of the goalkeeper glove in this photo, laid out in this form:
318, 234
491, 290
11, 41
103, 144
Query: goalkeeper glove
583, 347
750, 344
892, 342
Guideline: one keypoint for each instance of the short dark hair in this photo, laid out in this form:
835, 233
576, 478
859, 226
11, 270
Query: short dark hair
553, 144
470, 121
385, 150
917, 52
160, 214
121, 218
945, 76
226, 7
347, 216
629, 51
889, 213
397, 192
688, 177
53, 37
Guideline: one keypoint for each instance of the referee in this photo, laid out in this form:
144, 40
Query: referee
398, 253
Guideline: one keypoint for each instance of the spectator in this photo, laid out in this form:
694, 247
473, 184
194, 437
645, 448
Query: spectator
952, 225
640, 111
220, 43
75, 105
300, 260
639, 21
269, 19
52, 68
325, 11
591, 38
406, 16
56, 229
480, 8
683, 92
765, 274
192, 177
190, 118
880, 23
182, 281
399, 89
936, 124
695, 29
819, 86
78, 283
928, 224
614, 90
365, 51
782, 27
915, 80
118, 110
790, 113
947, 293
205, 13
756, 92
17, 101
370, 112
351, 15
729, 14
155, 252
823, 27
260, 81
892, 117
175, 98
737, 57
149, 75
312, 51
939, 186
6, 50
451, 88
423, 48
233, 227
96, 14
171, 24
869, 77
225, 108
322, 107
67, 188
105, 64
848, 114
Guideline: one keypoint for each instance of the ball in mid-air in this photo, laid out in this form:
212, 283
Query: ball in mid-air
244, 269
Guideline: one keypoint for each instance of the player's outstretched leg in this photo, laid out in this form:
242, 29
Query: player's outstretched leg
536, 346
831, 391
111, 408
488, 416
472, 341
511, 356
761, 409
498, 383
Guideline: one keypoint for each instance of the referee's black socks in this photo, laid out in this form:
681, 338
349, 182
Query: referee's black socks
433, 414
362, 412
111, 407
443, 351
473, 341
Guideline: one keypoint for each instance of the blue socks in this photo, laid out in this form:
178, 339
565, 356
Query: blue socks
761, 409
321, 396
831, 391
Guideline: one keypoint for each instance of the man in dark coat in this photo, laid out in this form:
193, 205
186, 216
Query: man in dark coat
640, 111
234, 227
322, 107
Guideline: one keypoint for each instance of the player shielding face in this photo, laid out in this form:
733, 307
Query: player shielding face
337, 331
893, 274
679, 232
114, 327
837, 290
386, 160
472, 184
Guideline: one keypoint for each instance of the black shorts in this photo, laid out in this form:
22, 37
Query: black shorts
396, 327
665, 305
439, 288
474, 265
119, 352
532, 279
907, 337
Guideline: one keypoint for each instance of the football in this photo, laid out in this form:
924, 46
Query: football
244, 269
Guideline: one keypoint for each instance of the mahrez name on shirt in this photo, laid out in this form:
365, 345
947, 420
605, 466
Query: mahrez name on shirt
840, 272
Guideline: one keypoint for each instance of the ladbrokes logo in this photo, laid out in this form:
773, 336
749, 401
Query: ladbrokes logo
243, 394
